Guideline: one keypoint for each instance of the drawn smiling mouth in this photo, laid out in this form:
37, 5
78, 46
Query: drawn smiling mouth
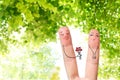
66, 37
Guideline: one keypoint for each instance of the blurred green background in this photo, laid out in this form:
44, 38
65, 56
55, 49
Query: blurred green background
28, 26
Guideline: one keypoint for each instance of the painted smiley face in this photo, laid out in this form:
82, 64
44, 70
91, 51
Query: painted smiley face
64, 33
65, 36
94, 38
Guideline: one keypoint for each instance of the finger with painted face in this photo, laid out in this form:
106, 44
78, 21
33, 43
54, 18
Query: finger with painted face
68, 53
94, 39
93, 55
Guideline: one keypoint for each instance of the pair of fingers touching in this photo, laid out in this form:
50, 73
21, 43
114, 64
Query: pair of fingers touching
70, 59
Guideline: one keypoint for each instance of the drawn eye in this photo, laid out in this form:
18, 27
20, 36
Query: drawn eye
97, 35
91, 34
62, 34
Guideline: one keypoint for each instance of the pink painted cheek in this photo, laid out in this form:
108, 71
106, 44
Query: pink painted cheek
66, 41
66, 37
93, 39
93, 43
